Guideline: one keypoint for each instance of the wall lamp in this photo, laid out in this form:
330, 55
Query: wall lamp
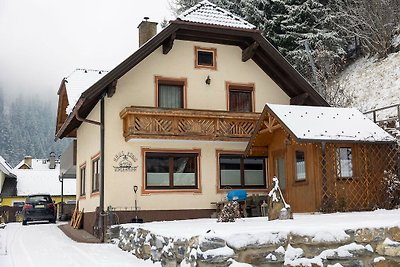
208, 80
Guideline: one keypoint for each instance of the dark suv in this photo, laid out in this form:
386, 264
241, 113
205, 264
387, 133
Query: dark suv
38, 208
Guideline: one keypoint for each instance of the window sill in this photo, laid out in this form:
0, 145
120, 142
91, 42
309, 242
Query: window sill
166, 191
94, 194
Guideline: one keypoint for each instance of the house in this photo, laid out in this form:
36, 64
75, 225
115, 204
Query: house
329, 159
173, 120
8, 180
36, 176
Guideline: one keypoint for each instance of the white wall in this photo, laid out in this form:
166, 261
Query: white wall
137, 88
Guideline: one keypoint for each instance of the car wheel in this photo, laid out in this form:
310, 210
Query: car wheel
24, 222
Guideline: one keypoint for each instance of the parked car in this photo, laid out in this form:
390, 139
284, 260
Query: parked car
39, 207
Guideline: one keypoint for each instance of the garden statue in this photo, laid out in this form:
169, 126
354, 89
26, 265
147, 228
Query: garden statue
277, 207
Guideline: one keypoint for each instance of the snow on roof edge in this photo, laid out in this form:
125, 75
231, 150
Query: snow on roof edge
330, 124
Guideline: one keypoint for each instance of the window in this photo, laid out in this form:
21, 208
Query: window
238, 172
170, 93
171, 170
205, 58
95, 174
83, 180
240, 98
300, 166
344, 155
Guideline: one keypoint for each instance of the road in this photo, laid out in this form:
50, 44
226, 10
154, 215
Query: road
46, 245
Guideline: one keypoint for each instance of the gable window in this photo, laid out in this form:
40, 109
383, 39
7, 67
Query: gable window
300, 166
171, 170
205, 58
95, 174
240, 97
83, 180
170, 93
345, 164
238, 172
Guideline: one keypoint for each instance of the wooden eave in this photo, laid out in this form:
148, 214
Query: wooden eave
265, 56
62, 105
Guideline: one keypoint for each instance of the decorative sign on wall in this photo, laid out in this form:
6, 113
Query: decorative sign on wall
125, 162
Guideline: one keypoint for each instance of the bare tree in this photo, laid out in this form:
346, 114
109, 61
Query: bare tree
374, 22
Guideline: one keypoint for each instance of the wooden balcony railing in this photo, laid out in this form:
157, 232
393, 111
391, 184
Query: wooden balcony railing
187, 124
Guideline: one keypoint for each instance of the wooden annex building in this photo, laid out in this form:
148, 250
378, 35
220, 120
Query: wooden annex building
326, 159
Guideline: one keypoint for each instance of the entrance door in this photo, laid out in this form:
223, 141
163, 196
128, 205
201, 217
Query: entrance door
280, 171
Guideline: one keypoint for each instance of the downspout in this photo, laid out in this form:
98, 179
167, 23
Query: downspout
101, 182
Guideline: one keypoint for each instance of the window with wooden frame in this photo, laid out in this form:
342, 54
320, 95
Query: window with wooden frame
95, 174
235, 171
170, 93
82, 172
166, 170
240, 97
344, 157
300, 166
205, 58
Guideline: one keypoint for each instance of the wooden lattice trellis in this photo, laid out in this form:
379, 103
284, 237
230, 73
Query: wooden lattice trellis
365, 190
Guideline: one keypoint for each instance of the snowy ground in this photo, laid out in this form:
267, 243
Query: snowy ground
322, 227
374, 83
46, 245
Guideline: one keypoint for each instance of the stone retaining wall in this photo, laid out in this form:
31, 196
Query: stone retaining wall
361, 247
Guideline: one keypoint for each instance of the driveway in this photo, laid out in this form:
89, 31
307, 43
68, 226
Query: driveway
46, 245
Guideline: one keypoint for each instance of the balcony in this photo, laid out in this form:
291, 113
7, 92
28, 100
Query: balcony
187, 124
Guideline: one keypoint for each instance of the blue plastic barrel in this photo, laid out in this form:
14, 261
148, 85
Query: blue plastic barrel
239, 195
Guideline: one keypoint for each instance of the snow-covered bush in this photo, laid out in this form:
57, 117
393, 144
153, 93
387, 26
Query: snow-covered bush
392, 190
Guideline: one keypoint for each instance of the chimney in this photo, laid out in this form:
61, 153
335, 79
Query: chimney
52, 159
147, 30
28, 161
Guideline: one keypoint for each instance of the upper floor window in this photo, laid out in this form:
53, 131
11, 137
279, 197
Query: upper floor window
95, 174
83, 180
170, 92
165, 170
206, 58
345, 164
240, 97
238, 172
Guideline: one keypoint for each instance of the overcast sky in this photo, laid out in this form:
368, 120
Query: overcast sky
42, 41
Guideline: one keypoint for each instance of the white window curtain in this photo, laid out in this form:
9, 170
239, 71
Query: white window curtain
170, 96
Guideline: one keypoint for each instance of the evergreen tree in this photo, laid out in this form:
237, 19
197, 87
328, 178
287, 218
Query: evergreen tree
290, 26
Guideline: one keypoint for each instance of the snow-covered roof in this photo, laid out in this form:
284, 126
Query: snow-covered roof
79, 81
5, 167
41, 179
329, 124
208, 13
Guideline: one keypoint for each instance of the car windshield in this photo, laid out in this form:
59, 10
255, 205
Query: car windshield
38, 199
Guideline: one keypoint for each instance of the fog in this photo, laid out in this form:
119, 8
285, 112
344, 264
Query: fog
43, 41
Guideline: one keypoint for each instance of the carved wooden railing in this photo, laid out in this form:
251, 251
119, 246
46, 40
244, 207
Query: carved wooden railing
187, 124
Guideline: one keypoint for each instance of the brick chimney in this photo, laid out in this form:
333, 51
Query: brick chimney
147, 30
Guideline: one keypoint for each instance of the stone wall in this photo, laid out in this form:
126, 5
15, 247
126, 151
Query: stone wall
361, 247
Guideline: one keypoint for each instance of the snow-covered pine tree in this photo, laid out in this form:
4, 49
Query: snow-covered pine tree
309, 22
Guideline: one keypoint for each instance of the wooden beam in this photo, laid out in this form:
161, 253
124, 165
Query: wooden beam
111, 88
299, 99
249, 51
169, 43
